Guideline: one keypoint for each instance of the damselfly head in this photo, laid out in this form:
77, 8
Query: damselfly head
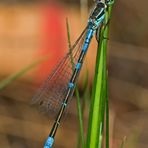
109, 2
97, 15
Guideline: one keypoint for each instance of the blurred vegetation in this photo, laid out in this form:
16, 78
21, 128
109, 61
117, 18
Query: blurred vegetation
4, 83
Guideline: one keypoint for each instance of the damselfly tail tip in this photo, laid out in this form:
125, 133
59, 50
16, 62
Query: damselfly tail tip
49, 142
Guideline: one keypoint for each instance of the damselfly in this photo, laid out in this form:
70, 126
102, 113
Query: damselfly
55, 93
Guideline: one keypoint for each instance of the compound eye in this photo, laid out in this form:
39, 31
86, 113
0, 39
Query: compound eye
109, 2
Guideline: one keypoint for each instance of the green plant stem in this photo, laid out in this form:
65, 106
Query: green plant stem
100, 92
94, 116
107, 115
106, 34
81, 133
85, 96
80, 118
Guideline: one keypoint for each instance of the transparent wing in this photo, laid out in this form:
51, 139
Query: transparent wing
52, 92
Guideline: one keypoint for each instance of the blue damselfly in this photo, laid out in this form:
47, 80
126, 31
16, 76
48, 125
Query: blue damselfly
56, 91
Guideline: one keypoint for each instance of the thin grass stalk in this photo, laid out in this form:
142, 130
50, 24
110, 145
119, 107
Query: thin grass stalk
80, 116
83, 103
107, 114
82, 141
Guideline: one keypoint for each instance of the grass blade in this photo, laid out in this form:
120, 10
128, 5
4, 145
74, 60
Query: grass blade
100, 93
94, 117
